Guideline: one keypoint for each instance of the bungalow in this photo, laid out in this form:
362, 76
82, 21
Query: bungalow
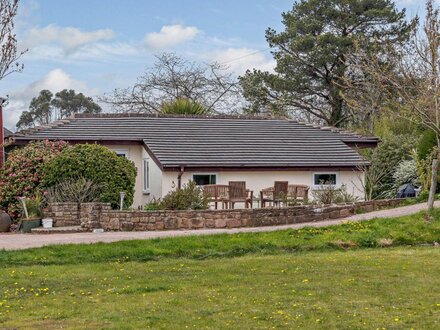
169, 151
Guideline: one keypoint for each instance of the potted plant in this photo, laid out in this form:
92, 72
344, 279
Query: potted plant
33, 213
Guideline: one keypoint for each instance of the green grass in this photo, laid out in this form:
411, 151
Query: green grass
334, 278
364, 289
409, 230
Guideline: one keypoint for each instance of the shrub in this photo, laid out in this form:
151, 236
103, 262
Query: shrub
190, 197
22, 173
344, 196
384, 160
154, 205
428, 141
79, 190
98, 164
406, 172
329, 194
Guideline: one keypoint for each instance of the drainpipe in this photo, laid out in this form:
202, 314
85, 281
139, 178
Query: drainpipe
2, 137
179, 177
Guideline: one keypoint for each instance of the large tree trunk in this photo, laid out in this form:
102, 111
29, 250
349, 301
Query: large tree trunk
433, 188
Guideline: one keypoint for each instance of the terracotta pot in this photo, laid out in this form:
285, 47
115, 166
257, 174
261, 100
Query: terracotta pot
5, 222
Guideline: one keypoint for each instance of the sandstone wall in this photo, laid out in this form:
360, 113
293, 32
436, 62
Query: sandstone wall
100, 215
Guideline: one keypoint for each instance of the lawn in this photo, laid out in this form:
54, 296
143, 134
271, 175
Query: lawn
338, 277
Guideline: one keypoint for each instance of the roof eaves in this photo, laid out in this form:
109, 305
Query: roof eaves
152, 155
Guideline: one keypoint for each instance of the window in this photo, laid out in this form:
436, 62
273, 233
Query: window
146, 175
122, 153
325, 179
204, 179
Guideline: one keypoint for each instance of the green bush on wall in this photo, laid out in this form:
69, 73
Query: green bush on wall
98, 164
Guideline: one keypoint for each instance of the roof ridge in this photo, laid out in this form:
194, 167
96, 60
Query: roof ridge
159, 115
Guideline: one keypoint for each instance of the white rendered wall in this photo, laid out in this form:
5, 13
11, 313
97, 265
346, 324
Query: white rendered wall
257, 181
137, 153
163, 182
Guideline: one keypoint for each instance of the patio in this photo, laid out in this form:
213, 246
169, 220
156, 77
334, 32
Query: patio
280, 194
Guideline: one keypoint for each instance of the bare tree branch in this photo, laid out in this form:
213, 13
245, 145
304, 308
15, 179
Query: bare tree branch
8, 40
172, 78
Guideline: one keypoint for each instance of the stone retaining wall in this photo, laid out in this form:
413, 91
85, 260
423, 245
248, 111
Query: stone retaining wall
100, 215
63, 214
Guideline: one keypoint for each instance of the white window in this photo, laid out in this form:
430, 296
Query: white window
146, 175
204, 179
325, 179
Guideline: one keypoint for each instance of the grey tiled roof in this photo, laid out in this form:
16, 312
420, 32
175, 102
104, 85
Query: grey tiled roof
6, 132
215, 142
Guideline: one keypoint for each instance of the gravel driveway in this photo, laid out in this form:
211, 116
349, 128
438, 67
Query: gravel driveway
11, 241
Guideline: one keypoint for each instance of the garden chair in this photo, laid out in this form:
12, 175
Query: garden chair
239, 194
276, 194
298, 193
280, 192
217, 194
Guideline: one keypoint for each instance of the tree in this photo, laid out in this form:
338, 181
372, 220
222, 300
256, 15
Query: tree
315, 55
173, 78
45, 108
68, 103
40, 108
8, 41
412, 83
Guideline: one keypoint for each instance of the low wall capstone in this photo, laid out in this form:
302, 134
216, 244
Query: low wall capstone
100, 215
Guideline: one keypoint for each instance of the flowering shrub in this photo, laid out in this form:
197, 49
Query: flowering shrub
22, 172
406, 172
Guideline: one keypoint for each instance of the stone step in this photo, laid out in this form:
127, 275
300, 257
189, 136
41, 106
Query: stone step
58, 230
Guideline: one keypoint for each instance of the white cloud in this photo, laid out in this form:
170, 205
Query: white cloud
240, 59
171, 35
68, 38
101, 51
55, 80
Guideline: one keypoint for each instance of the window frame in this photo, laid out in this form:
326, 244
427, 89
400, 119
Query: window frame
317, 186
146, 175
214, 174
120, 152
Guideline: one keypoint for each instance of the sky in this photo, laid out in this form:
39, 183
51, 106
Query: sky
95, 46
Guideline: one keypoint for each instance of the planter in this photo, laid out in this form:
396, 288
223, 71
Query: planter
5, 222
47, 223
28, 225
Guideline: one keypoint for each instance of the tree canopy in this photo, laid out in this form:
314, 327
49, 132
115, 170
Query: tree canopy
315, 53
46, 108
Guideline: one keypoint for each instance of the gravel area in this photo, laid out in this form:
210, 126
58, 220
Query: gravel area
12, 241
